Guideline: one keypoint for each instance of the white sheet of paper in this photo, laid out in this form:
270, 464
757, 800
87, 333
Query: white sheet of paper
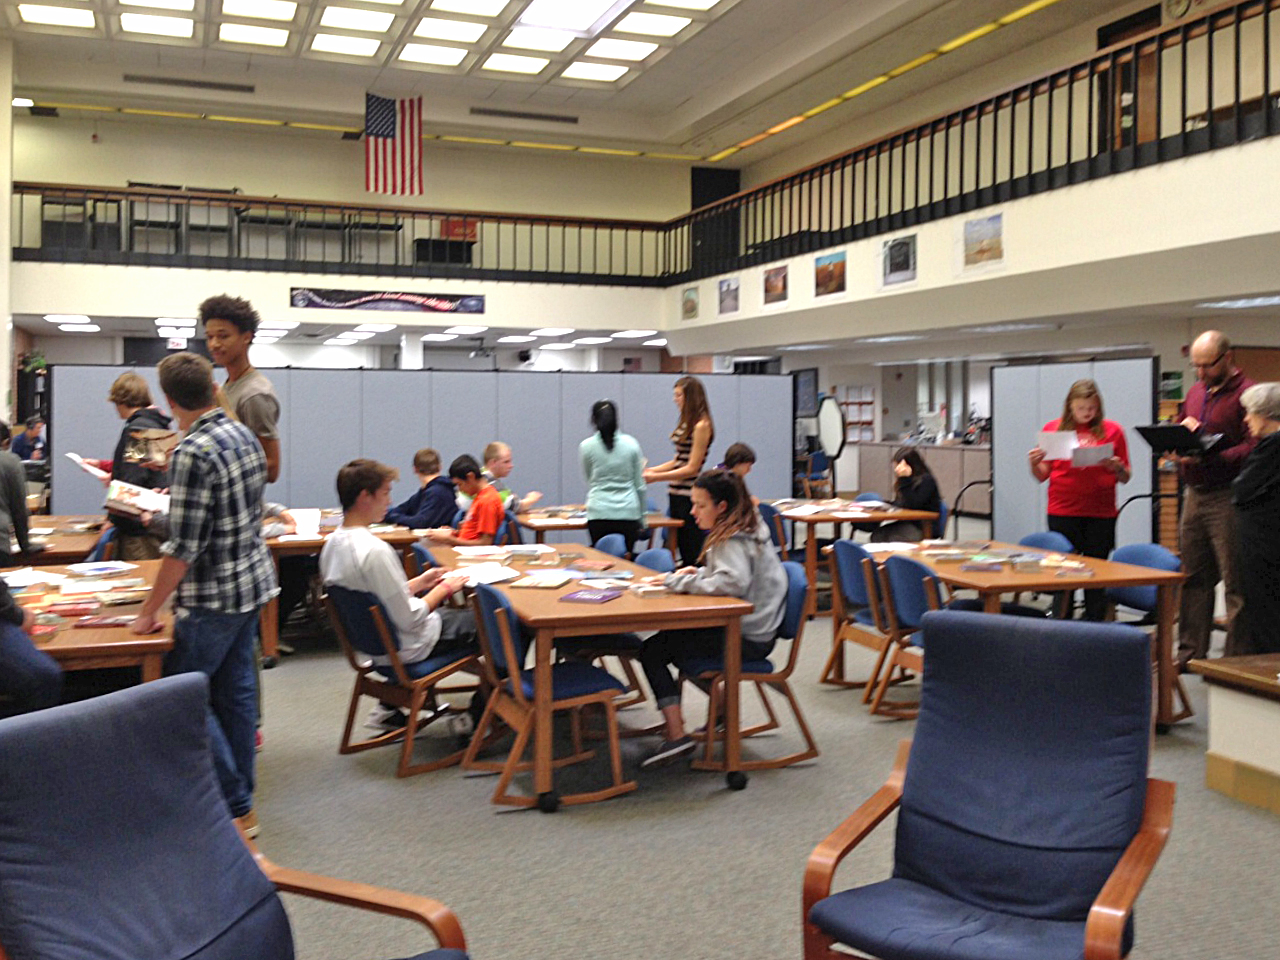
482, 550
804, 510
889, 547
26, 576
489, 573
1088, 456
101, 568
308, 521
285, 537
1057, 444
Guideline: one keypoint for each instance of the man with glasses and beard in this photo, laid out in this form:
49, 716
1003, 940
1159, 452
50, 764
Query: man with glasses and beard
1208, 529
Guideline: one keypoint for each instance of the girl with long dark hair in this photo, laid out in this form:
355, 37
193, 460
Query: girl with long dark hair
614, 467
914, 489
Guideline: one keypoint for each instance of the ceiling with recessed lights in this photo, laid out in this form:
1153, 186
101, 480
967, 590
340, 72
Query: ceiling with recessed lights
669, 79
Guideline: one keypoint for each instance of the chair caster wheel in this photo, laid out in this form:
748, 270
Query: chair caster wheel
1163, 728
736, 780
269, 662
549, 802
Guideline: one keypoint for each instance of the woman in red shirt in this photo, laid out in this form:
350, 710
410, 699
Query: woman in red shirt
1082, 500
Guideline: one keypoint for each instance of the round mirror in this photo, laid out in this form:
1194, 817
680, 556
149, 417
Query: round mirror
831, 427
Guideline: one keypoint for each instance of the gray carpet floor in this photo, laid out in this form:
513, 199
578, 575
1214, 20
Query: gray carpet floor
682, 868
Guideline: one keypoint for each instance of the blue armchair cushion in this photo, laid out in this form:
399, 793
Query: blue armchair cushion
902, 920
422, 668
571, 679
975, 605
621, 643
116, 842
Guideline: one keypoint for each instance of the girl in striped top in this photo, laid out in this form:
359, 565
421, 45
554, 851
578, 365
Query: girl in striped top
692, 437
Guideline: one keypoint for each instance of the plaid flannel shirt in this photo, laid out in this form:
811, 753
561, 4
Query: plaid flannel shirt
216, 478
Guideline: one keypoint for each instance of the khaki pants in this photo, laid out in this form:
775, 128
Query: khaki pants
1207, 537
137, 546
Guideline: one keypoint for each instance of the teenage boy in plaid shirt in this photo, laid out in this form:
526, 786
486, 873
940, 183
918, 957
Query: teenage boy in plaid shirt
216, 561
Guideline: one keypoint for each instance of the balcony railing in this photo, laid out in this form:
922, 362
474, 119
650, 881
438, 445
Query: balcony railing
1203, 84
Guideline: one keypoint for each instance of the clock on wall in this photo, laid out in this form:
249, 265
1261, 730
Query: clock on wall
1176, 9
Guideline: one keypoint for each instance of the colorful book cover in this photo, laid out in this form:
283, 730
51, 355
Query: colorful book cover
592, 596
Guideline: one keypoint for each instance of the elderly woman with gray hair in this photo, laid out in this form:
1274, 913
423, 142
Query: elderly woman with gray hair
1256, 493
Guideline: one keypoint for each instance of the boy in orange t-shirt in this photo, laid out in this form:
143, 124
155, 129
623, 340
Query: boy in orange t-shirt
484, 518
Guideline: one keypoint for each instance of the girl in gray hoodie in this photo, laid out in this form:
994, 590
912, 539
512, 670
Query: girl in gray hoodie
738, 560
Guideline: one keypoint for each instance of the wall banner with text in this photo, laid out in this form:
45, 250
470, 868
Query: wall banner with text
310, 297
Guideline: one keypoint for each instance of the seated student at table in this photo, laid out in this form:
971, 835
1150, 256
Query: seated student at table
433, 505
739, 458
497, 467
294, 573
354, 558
14, 518
30, 679
914, 489
484, 516
739, 560
31, 444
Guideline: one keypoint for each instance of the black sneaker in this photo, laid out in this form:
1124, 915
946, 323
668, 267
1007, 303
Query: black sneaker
667, 751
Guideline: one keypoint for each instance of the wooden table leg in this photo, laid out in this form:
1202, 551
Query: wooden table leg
268, 626
811, 569
1166, 672
734, 776
991, 603
539, 536
548, 801
151, 667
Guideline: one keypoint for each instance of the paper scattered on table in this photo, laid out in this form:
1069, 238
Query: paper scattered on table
804, 510
489, 573
88, 468
307, 520
40, 531
1088, 456
487, 550
889, 547
850, 514
100, 568
29, 576
1057, 444
529, 549
300, 536
556, 521
604, 583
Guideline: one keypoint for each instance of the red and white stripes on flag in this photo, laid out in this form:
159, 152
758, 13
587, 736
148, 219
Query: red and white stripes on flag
392, 145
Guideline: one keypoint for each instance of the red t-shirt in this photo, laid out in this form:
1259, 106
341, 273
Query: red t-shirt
1086, 491
485, 516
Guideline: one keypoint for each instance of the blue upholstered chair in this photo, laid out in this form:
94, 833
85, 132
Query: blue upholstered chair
509, 534
940, 525
423, 557
761, 673
780, 532
365, 631
614, 544
854, 616
574, 684
1142, 599
1026, 825
105, 548
116, 842
815, 478
908, 590
866, 496
1049, 540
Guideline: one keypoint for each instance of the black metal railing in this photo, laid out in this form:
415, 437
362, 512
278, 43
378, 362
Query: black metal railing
1203, 84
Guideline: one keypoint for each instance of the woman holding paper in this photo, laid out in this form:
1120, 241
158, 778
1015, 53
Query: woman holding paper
1087, 456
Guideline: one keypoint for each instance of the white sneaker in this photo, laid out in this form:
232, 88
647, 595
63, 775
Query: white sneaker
462, 725
385, 718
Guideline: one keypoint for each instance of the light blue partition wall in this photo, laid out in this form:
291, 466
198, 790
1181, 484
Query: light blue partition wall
464, 413
578, 391
325, 430
763, 408
646, 411
529, 423
1024, 398
282, 490
396, 423
723, 396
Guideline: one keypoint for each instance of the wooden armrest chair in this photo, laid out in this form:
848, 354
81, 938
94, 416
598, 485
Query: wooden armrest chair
1005, 852
364, 632
123, 847
908, 590
855, 615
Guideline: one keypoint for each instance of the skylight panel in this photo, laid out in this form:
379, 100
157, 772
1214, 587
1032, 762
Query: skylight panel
603, 72
349, 46
260, 9
621, 49
346, 18
56, 16
457, 30
430, 53
157, 26
261, 36
652, 24
537, 38
510, 63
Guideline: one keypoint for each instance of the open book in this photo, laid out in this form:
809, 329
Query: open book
133, 500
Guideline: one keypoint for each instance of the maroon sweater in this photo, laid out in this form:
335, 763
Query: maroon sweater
1218, 411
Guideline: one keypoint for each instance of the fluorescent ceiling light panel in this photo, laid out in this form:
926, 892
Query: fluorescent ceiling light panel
1244, 303
439, 337
510, 63
477, 8
262, 339
157, 26
633, 334
260, 36
685, 4
260, 9
66, 318
174, 322
429, 53
79, 327
358, 334
590, 341
55, 16
341, 342
891, 338
375, 327
652, 24
806, 346
536, 38
23, 102
621, 49
551, 332
603, 72
183, 332
464, 329
660, 342
556, 346
577, 15
350, 46
277, 324
161, 4
345, 18
462, 31
516, 339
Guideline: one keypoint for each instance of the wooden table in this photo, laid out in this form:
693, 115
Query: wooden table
549, 618
838, 512
92, 649
1243, 758
64, 547
400, 538
540, 522
1098, 574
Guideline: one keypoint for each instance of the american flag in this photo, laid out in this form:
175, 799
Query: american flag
392, 145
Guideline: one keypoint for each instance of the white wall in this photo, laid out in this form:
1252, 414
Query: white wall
309, 166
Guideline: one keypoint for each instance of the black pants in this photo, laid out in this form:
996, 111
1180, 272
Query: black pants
669, 647
1093, 537
631, 531
688, 536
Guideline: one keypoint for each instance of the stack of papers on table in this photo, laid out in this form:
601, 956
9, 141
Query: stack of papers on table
804, 510
29, 576
891, 547
488, 573
100, 568
487, 550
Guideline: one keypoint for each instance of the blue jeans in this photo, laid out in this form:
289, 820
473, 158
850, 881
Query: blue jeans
29, 677
222, 646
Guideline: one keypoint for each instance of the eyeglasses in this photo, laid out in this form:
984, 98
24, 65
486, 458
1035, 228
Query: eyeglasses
1212, 363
